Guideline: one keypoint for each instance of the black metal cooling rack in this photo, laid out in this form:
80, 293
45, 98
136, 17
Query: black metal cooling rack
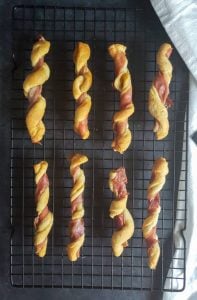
140, 30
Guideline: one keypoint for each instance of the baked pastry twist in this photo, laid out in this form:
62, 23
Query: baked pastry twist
122, 83
76, 226
118, 211
159, 172
44, 221
32, 87
158, 100
81, 85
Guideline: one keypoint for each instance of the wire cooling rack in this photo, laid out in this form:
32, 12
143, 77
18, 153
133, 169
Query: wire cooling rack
139, 29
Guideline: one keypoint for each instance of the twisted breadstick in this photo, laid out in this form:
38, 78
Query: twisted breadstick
158, 100
122, 83
77, 234
44, 221
119, 212
159, 172
32, 87
81, 85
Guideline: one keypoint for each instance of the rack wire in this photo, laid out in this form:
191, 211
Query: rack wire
139, 29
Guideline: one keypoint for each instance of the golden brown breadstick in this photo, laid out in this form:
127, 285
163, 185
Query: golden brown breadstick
77, 232
159, 172
81, 85
32, 87
122, 83
158, 100
44, 221
119, 212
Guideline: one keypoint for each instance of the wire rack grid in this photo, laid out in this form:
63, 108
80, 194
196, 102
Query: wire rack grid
139, 29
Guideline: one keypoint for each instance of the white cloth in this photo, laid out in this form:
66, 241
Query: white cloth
179, 18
